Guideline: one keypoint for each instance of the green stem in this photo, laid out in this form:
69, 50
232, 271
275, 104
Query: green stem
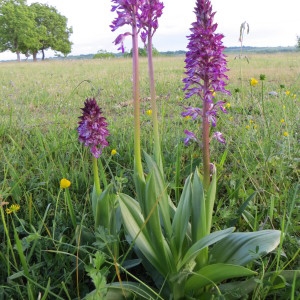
157, 149
205, 143
136, 104
96, 176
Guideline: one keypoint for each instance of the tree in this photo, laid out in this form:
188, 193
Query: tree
29, 29
298, 42
52, 30
17, 27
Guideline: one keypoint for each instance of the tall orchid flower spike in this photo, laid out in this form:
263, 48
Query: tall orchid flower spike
129, 12
206, 66
151, 11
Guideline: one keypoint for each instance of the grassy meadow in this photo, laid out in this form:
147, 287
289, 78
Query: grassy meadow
258, 168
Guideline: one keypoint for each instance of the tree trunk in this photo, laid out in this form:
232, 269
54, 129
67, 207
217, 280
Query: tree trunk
43, 57
34, 54
18, 56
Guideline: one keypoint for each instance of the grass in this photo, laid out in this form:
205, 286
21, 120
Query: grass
40, 105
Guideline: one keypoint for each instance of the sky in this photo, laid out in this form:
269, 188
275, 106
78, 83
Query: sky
272, 23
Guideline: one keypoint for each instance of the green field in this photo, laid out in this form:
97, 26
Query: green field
40, 106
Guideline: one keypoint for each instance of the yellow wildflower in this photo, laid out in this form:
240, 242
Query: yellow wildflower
187, 117
227, 105
149, 112
247, 127
285, 133
287, 93
13, 208
113, 152
65, 183
253, 82
294, 96
282, 121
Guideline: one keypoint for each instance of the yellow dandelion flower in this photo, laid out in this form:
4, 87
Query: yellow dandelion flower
65, 183
187, 117
227, 105
255, 126
294, 96
251, 121
253, 82
247, 127
285, 133
13, 208
149, 112
113, 152
287, 93
282, 121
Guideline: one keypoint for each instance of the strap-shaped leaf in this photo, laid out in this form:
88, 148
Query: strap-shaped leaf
210, 201
135, 225
161, 192
240, 248
214, 274
199, 217
182, 216
204, 242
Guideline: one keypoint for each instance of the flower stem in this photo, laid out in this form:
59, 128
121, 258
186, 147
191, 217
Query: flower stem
157, 149
138, 168
205, 143
96, 176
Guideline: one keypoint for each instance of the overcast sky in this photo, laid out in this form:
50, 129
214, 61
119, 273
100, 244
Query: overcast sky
272, 23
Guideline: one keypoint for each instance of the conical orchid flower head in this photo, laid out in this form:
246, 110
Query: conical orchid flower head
92, 129
205, 61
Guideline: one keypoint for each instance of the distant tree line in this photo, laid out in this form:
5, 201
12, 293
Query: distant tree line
28, 29
102, 54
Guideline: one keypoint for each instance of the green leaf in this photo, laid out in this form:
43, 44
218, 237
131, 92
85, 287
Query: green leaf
160, 190
199, 218
236, 290
135, 225
210, 201
213, 274
241, 248
204, 242
117, 291
182, 216
153, 224
103, 207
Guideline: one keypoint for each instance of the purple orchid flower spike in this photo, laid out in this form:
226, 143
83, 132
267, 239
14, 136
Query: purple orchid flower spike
129, 12
92, 129
151, 11
206, 66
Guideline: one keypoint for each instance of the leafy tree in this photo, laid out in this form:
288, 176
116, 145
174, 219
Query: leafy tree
29, 29
17, 27
52, 30
103, 54
143, 52
298, 42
